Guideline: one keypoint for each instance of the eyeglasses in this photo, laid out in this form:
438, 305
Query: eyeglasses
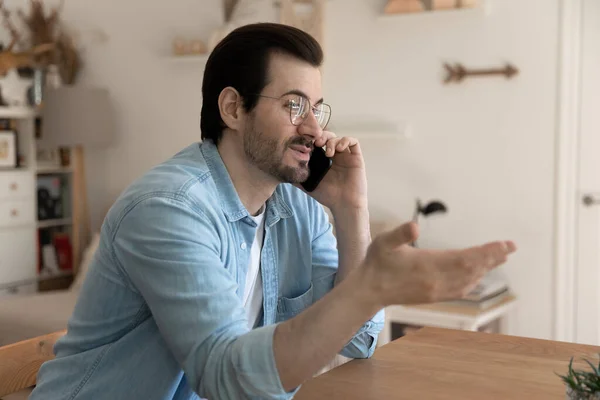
299, 107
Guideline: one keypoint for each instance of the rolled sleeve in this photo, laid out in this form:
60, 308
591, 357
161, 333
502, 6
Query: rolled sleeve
325, 264
364, 343
169, 251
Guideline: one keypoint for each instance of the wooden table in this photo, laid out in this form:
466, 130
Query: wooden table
435, 363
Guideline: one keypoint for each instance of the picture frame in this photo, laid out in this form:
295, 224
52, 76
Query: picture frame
8, 149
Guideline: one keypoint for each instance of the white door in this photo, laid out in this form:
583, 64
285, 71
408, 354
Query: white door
587, 263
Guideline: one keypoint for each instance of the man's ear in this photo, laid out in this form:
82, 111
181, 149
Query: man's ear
231, 109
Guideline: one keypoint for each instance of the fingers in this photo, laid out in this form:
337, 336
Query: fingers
488, 256
496, 253
403, 234
324, 138
511, 246
336, 144
467, 267
340, 145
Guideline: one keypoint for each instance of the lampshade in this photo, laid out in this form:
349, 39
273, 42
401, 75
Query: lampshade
76, 116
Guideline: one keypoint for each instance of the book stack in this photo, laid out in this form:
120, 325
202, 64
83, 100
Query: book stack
490, 291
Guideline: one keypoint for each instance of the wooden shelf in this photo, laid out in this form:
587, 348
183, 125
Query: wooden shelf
191, 58
277, 3
481, 8
17, 112
54, 170
39, 279
50, 223
57, 281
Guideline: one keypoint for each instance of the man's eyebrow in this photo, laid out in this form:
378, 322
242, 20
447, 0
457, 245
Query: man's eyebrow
301, 93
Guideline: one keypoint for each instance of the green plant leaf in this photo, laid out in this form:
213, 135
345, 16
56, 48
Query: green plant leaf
596, 370
582, 382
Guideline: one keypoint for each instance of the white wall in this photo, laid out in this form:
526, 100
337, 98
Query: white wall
486, 147
158, 100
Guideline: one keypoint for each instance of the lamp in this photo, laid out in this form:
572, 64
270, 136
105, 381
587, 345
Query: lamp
77, 117
432, 207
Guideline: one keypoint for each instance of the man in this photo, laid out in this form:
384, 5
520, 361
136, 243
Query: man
218, 276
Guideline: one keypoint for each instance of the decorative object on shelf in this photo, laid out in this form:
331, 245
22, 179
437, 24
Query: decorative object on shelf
48, 42
197, 46
64, 251
228, 7
77, 117
8, 149
47, 158
183, 47
65, 156
179, 46
49, 198
25, 72
242, 12
440, 4
14, 60
15, 89
433, 207
448, 4
37, 128
35, 93
53, 78
308, 16
412, 6
9, 58
3, 102
457, 73
582, 384
403, 6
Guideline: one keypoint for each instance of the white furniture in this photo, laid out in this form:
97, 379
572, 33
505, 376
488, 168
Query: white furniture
446, 316
19, 224
18, 212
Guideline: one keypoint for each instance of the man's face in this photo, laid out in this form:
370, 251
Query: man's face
271, 141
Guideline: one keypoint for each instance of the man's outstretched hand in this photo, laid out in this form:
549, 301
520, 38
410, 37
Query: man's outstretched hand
401, 274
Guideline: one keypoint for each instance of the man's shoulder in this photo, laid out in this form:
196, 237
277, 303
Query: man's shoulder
184, 178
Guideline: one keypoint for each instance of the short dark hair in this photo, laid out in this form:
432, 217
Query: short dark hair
241, 60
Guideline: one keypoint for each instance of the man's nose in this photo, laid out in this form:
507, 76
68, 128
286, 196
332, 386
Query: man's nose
310, 127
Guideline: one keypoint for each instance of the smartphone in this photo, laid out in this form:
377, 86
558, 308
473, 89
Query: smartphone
318, 165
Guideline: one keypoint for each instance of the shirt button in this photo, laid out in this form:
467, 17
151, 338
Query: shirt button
243, 246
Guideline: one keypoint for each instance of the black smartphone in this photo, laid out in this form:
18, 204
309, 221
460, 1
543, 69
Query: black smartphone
318, 165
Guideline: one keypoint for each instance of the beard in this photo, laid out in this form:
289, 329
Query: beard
267, 154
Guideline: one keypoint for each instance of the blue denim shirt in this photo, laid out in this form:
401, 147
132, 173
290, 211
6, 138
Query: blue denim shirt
160, 314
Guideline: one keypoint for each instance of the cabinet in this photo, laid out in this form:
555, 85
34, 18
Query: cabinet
26, 225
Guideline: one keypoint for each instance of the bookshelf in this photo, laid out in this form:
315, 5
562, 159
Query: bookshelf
39, 228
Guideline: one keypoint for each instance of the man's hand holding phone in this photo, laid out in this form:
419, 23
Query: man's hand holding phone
344, 183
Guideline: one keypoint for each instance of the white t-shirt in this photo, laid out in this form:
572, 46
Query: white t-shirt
253, 293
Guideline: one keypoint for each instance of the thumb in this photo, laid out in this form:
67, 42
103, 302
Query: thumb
401, 235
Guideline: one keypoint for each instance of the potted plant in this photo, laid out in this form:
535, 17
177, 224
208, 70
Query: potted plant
582, 384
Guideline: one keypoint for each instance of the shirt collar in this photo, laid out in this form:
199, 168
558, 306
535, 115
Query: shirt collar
231, 204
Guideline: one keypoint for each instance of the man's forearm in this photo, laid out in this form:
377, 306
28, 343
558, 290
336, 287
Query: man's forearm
353, 236
307, 342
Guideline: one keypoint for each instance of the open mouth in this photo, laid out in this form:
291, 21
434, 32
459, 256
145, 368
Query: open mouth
301, 151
